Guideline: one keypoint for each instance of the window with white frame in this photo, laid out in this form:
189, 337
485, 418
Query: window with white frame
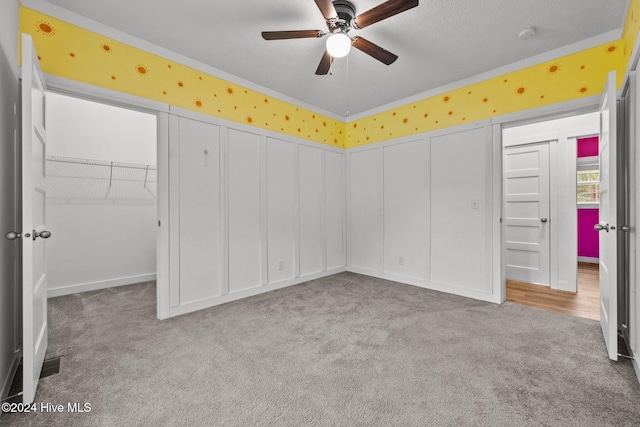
588, 181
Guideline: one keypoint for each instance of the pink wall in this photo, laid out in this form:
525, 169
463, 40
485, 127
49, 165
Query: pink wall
588, 238
588, 147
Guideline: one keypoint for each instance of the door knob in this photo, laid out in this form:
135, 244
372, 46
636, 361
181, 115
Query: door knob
12, 235
624, 228
599, 227
44, 234
543, 220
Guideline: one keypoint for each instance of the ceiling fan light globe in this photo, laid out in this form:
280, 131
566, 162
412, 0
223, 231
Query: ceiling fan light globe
338, 45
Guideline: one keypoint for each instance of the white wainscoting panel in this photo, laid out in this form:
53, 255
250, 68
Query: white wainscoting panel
335, 214
421, 211
249, 212
365, 226
245, 242
460, 208
406, 209
311, 203
199, 210
281, 210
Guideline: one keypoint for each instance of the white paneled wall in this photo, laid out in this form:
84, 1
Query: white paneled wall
281, 210
335, 226
461, 209
199, 211
406, 200
252, 212
420, 212
365, 209
311, 215
248, 213
244, 205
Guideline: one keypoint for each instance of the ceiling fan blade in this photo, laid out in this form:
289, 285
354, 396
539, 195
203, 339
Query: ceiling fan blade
374, 50
325, 64
296, 34
327, 9
383, 11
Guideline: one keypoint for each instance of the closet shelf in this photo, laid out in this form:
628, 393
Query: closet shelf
88, 179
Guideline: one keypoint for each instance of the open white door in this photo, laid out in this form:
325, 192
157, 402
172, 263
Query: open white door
608, 216
34, 277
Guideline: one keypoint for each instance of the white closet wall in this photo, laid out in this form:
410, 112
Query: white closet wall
250, 212
420, 212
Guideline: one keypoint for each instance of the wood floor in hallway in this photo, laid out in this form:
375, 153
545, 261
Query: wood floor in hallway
584, 303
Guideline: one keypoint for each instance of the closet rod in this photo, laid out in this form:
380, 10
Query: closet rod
91, 162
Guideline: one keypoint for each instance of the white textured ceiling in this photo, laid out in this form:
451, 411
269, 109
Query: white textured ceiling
438, 42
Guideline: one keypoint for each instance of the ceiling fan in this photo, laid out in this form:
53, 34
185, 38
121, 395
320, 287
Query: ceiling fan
340, 18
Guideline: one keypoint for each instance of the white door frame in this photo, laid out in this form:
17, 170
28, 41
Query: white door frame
563, 221
564, 110
160, 110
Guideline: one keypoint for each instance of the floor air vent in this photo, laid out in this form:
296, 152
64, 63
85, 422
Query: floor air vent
50, 367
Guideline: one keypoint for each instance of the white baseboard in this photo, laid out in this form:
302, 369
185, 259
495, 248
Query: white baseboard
636, 366
222, 299
588, 259
6, 382
441, 287
101, 284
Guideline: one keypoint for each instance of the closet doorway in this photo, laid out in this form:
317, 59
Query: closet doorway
102, 195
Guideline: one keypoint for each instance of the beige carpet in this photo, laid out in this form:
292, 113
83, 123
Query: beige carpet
347, 350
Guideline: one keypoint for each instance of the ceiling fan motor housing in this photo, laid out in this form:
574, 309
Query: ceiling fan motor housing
346, 12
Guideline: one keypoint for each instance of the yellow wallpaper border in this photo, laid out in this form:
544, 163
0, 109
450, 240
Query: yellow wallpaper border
566, 78
75, 53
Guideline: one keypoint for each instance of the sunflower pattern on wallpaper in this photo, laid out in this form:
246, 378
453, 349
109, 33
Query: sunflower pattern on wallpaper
582, 74
72, 52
